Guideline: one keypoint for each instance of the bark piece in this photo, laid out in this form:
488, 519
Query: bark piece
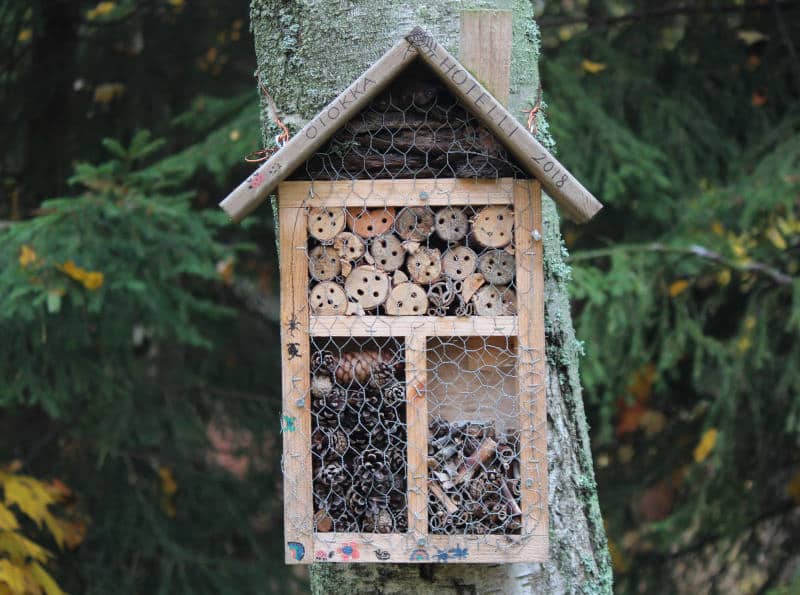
349, 246
492, 227
459, 262
387, 252
324, 224
425, 265
323, 263
451, 224
369, 223
407, 299
367, 286
492, 300
328, 299
497, 267
414, 223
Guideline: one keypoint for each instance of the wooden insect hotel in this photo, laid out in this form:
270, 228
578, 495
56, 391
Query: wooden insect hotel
412, 318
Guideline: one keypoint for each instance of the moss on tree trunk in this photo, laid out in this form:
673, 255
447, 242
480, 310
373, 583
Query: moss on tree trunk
307, 52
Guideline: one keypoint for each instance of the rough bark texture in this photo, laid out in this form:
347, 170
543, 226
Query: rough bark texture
307, 52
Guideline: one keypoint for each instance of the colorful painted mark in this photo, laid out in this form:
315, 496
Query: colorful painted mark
382, 554
459, 553
298, 550
288, 423
323, 556
349, 551
419, 554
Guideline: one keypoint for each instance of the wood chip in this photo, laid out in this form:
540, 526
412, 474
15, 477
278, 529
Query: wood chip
425, 266
367, 286
387, 252
349, 246
323, 263
492, 300
414, 223
369, 223
407, 299
459, 262
328, 299
497, 266
493, 226
451, 224
470, 285
324, 224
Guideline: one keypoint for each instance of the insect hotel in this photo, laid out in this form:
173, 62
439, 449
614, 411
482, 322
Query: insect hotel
412, 318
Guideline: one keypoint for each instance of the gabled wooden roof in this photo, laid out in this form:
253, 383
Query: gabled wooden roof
577, 202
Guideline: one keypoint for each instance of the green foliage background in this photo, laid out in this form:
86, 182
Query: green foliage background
685, 123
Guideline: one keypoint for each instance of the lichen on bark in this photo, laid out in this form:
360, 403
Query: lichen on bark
309, 50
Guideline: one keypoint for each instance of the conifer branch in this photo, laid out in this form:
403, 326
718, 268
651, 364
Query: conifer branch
776, 275
671, 11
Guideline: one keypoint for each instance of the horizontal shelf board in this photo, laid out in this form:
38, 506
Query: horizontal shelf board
413, 548
403, 326
399, 193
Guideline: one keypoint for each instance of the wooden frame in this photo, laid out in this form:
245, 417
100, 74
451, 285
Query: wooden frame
297, 326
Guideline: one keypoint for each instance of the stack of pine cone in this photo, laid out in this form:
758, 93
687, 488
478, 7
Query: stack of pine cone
474, 479
358, 442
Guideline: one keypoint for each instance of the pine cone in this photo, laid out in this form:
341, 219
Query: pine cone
323, 362
394, 392
358, 365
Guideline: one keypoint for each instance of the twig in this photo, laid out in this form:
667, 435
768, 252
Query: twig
779, 277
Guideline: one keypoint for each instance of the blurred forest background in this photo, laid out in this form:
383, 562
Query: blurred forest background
139, 412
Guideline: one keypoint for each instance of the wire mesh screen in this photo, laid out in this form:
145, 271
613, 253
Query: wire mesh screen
358, 438
473, 436
421, 374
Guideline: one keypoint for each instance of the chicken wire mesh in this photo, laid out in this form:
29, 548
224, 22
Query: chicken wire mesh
380, 258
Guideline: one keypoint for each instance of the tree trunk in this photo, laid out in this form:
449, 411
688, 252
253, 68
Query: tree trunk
309, 51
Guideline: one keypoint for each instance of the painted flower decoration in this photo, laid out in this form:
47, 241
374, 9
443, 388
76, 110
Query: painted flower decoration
349, 551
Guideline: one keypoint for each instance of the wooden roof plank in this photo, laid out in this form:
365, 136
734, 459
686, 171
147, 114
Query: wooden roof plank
578, 203
256, 188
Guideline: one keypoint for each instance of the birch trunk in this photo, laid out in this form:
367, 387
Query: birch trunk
307, 52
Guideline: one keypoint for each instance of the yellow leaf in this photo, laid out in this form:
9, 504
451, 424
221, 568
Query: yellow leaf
168, 483
234, 135
27, 255
32, 496
8, 522
177, 3
593, 67
44, 580
774, 236
107, 92
750, 37
793, 488
24, 35
19, 547
678, 287
717, 228
619, 562
56, 528
744, 343
724, 277
706, 445
13, 576
91, 280
225, 270
102, 9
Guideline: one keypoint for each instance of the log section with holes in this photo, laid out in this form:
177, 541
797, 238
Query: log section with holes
410, 430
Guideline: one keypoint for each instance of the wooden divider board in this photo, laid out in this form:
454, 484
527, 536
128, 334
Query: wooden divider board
297, 326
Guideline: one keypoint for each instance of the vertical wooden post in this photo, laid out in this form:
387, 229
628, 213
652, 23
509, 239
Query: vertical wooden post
531, 364
417, 428
296, 365
485, 49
